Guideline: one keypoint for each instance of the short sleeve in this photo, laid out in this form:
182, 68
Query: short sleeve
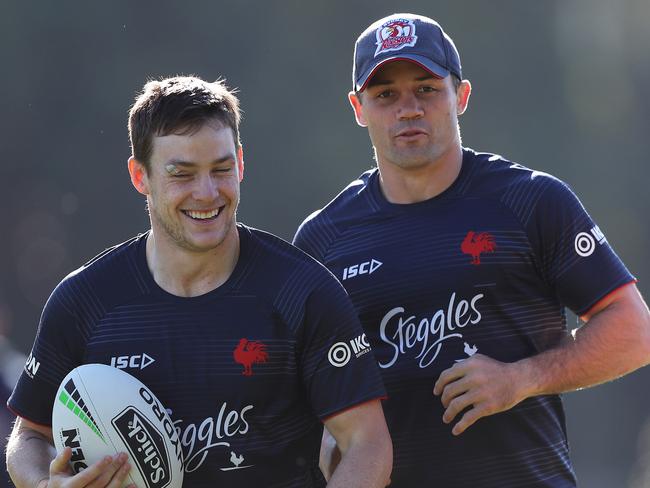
573, 254
56, 351
338, 367
307, 239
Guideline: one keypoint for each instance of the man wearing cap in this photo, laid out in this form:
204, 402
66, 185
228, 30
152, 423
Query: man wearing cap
460, 265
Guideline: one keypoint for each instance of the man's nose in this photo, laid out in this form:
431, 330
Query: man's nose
410, 107
207, 188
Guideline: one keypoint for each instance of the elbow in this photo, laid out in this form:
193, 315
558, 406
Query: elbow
383, 456
639, 343
387, 456
644, 339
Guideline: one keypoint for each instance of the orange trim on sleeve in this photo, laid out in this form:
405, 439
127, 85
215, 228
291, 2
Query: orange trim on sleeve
586, 312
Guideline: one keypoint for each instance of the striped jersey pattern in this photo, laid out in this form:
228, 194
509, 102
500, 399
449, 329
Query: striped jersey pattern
488, 267
245, 369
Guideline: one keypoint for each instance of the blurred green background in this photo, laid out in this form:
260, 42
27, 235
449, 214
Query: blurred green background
558, 85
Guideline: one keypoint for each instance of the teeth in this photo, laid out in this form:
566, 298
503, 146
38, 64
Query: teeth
196, 214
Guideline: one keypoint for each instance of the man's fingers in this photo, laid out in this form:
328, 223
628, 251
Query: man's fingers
111, 471
456, 406
467, 420
454, 389
118, 478
92, 472
447, 376
60, 463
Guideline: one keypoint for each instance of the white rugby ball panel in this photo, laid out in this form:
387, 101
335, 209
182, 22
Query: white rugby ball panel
100, 410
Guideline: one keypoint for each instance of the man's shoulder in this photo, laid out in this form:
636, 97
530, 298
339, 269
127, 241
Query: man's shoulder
494, 174
110, 269
354, 204
348, 202
278, 258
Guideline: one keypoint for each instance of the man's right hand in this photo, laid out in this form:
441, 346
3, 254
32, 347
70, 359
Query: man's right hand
109, 472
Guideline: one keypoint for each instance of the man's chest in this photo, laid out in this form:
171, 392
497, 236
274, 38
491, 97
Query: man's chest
435, 287
225, 371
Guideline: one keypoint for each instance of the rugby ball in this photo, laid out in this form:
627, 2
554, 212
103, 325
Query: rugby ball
100, 410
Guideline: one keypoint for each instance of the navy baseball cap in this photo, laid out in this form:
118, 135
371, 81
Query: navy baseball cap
408, 37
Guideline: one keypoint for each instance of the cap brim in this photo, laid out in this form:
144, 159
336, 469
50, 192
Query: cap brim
425, 63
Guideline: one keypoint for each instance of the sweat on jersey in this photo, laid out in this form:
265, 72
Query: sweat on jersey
248, 370
487, 267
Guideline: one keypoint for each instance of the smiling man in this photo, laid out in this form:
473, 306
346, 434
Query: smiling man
460, 265
244, 338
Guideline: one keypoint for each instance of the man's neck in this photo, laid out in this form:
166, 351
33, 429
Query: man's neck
186, 273
411, 185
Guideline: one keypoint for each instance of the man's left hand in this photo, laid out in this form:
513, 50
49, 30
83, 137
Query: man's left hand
480, 386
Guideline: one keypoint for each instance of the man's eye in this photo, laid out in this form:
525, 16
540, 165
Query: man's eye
427, 89
384, 94
173, 171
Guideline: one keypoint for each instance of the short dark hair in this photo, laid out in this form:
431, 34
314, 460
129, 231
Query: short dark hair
179, 105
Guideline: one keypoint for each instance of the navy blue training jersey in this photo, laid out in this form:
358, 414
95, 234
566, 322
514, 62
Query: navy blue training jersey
248, 370
485, 267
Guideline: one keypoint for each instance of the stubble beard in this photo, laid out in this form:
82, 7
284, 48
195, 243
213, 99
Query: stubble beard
175, 233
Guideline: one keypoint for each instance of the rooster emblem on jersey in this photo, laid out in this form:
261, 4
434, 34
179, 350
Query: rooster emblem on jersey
475, 244
248, 353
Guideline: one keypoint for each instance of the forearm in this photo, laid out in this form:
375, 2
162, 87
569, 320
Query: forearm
363, 466
611, 344
29, 455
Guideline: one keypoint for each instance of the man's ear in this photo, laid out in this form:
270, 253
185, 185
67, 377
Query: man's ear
240, 162
138, 174
358, 108
462, 96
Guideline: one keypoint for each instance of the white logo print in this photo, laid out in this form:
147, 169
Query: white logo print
395, 35
585, 243
404, 332
213, 432
236, 460
340, 353
598, 234
367, 267
469, 350
138, 361
31, 366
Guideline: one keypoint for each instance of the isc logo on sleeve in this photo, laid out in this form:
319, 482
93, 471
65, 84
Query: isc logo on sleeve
367, 267
137, 361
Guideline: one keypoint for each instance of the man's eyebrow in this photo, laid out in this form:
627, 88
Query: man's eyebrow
184, 163
387, 81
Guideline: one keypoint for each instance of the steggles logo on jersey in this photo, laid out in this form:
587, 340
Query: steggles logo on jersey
469, 350
248, 353
341, 352
404, 332
214, 432
585, 243
367, 267
237, 461
31, 365
475, 244
395, 34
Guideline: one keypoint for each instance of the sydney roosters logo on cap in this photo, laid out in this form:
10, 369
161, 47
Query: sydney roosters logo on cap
395, 34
